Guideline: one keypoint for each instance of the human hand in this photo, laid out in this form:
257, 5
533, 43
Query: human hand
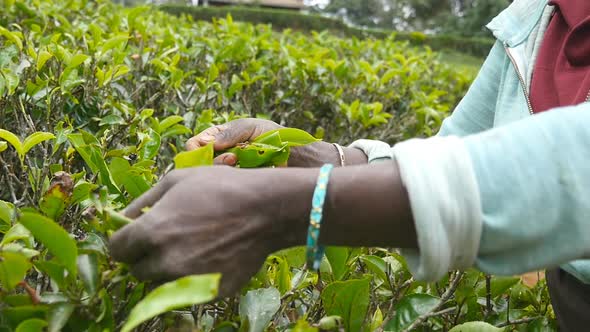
214, 220
243, 130
229, 135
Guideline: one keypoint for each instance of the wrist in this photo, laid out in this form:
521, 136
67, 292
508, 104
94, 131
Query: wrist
320, 153
292, 205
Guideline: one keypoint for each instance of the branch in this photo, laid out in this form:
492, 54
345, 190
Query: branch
397, 294
442, 312
488, 295
435, 311
32, 293
10, 187
519, 321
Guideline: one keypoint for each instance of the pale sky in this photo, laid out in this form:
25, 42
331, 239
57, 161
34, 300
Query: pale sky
316, 2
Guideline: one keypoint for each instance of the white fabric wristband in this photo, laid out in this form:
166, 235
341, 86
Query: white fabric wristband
444, 195
375, 150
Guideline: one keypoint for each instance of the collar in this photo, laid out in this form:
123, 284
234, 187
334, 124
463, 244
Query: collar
574, 12
513, 25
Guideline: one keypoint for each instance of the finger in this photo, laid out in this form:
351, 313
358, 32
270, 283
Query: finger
133, 241
153, 268
228, 159
235, 132
148, 199
205, 137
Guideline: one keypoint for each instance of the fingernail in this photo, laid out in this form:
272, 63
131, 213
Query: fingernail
207, 138
230, 160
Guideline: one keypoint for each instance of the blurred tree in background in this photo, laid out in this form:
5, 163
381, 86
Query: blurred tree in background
462, 17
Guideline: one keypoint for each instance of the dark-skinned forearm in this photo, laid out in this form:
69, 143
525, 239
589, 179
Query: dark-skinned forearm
365, 206
317, 154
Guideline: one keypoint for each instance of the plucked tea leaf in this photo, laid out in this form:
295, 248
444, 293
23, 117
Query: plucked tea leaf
202, 156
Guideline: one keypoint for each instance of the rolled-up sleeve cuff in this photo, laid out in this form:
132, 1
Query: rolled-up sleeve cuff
375, 150
444, 195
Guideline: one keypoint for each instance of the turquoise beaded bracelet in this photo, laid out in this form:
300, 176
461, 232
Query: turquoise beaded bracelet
315, 252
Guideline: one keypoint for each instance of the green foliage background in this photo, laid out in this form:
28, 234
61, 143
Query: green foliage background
96, 100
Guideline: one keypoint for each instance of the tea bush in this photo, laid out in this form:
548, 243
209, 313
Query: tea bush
95, 102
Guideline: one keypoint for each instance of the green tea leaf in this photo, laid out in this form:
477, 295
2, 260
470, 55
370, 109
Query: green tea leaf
476, 327
111, 119
176, 130
258, 155
59, 315
55, 200
16, 315
104, 174
54, 270
282, 274
409, 309
13, 269
330, 323
13, 37
499, 285
10, 81
151, 145
16, 300
258, 307
84, 149
376, 265
117, 220
174, 295
213, 73
273, 139
53, 237
376, 321
303, 326
16, 233
6, 212
199, 157
82, 191
113, 42
295, 256
77, 60
338, 257
136, 185
349, 300
88, 271
290, 136
42, 59
18, 248
36, 138
169, 122
32, 325
13, 140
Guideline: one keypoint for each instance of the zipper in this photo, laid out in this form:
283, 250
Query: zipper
521, 79
588, 97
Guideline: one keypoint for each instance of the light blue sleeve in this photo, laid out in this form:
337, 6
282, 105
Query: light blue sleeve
534, 184
475, 112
